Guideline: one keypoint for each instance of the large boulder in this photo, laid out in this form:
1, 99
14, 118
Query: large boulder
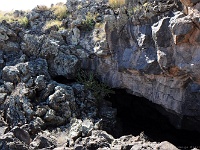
53, 49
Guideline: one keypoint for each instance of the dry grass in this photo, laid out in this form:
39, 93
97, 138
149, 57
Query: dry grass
9, 17
41, 8
23, 21
116, 3
52, 23
60, 11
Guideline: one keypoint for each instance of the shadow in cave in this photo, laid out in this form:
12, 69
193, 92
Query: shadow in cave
63, 80
137, 114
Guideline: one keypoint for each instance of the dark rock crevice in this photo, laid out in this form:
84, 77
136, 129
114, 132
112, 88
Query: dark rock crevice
63, 80
137, 114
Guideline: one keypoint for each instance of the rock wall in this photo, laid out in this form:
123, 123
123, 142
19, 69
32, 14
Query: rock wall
154, 56
150, 48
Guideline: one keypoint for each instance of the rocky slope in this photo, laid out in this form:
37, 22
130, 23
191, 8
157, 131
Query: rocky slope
154, 53
149, 48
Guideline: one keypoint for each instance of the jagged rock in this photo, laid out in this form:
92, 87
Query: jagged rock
9, 141
108, 115
36, 125
75, 129
87, 127
50, 115
182, 29
65, 65
76, 23
189, 2
166, 146
33, 15
11, 74
41, 111
158, 30
98, 139
44, 140
52, 119
7, 87
59, 63
2, 97
75, 36
2, 62
3, 127
40, 82
145, 60
4, 32
22, 135
19, 108
38, 67
154, 54
62, 100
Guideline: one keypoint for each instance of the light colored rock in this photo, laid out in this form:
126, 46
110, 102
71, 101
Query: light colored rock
75, 128
50, 115
166, 146
75, 35
2, 97
11, 74
40, 82
87, 127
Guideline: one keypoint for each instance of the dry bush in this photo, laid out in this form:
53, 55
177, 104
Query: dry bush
60, 11
116, 3
9, 17
41, 8
23, 21
52, 23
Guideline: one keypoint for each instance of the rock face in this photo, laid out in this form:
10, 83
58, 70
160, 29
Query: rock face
156, 58
150, 48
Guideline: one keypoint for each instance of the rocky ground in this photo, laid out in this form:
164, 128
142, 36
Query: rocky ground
39, 113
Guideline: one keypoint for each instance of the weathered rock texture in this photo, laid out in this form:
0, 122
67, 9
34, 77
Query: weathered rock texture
151, 48
154, 56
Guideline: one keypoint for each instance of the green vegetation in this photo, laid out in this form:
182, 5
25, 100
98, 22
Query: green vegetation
99, 90
60, 11
88, 23
23, 21
139, 9
116, 3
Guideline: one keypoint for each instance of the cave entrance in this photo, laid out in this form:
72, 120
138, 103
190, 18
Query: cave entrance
63, 80
137, 114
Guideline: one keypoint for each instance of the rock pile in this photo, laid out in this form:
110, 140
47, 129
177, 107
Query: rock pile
152, 54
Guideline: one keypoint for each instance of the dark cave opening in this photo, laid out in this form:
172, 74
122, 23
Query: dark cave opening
137, 114
63, 80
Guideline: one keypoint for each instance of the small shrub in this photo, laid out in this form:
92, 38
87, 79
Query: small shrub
137, 8
116, 3
41, 8
60, 11
88, 23
23, 21
99, 90
9, 17
52, 23
79, 7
